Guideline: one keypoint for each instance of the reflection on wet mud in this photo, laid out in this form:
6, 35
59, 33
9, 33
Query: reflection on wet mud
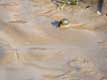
18, 21
6, 54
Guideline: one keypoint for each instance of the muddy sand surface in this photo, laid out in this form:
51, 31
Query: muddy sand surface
32, 48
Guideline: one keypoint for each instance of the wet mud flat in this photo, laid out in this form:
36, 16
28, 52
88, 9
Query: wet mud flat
31, 48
